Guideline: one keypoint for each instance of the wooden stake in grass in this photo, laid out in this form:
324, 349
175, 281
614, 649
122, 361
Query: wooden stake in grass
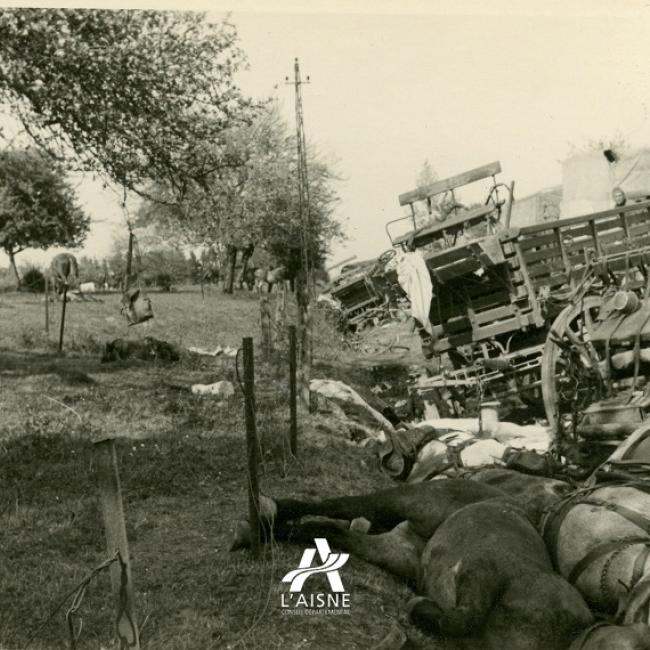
116, 541
293, 410
65, 300
251, 446
47, 305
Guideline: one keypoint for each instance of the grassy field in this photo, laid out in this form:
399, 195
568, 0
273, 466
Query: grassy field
182, 465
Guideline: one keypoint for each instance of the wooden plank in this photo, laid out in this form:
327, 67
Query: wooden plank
551, 252
565, 256
450, 225
631, 210
545, 238
502, 327
447, 256
456, 270
116, 542
499, 313
444, 312
545, 269
459, 324
470, 176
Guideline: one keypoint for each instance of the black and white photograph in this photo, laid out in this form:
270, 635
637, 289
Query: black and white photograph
325, 325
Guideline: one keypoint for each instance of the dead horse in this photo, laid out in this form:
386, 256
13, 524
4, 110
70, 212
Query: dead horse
479, 562
468, 584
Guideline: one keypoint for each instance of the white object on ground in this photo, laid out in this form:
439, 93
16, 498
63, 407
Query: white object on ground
485, 451
205, 352
532, 436
230, 352
219, 388
333, 389
329, 299
413, 276
87, 287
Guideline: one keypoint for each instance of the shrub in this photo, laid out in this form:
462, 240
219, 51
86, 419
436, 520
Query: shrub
164, 281
33, 280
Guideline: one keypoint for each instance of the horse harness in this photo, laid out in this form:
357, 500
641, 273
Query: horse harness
555, 514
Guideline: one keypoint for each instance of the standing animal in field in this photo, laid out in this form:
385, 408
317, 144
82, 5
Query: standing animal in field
471, 550
63, 272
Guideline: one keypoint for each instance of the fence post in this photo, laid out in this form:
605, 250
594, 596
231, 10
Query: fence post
65, 300
47, 305
116, 541
251, 446
265, 319
293, 431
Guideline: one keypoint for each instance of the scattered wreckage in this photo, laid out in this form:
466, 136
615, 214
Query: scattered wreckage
553, 316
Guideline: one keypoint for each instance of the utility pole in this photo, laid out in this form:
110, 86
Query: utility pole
304, 279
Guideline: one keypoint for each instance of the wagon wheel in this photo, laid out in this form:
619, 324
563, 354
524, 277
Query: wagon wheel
570, 377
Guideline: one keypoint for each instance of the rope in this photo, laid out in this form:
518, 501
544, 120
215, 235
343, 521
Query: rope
78, 591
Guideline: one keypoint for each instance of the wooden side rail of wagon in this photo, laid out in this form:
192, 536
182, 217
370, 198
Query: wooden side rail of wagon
557, 254
459, 218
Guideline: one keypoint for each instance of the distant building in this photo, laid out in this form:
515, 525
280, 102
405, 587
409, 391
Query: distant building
589, 178
537, 208
587, 183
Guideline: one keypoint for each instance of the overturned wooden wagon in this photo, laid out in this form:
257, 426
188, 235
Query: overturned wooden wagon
556, 314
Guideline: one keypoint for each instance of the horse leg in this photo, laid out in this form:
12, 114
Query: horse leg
398, 551
424, 505
368, 506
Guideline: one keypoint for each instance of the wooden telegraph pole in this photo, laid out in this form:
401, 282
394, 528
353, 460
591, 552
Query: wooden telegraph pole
304, 279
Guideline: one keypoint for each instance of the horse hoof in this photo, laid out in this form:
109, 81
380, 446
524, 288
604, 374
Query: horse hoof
423, 614
360, 525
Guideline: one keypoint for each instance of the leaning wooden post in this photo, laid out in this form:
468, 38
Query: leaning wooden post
47, 305
251, 446
116, 542
65, 300
265, 321
293, 407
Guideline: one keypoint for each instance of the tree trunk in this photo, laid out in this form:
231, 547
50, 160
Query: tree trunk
12, 261
231, 261
246, 254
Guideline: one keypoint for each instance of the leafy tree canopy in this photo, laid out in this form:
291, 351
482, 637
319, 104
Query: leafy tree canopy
38, 207
135, 94
255, 201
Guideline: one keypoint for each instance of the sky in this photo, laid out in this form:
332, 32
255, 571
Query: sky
459, 84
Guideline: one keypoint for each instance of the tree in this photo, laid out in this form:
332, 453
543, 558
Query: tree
135, 95
38, 207
423, 215
254, 201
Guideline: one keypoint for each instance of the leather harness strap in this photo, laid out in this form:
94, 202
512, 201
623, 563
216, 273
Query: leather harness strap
600, 551
553, 520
